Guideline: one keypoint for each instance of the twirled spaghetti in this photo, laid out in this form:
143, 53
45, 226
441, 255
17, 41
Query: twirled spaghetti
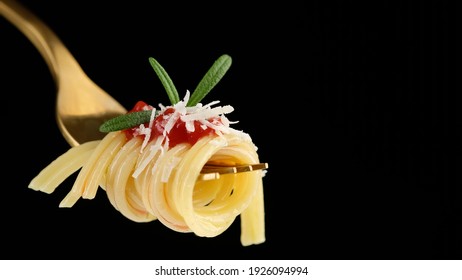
154, 176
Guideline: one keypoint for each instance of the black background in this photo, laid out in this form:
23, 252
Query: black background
347, 102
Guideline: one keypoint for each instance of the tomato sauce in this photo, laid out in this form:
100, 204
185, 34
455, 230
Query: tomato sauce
178, 133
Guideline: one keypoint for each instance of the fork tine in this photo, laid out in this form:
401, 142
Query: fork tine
212, 171
251, 167
219, 169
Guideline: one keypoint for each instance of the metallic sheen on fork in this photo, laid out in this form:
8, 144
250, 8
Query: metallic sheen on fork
81, 105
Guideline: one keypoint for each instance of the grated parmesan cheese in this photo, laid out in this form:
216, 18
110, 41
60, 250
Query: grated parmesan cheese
189, 115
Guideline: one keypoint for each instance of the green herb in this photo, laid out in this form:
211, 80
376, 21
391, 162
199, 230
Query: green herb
208, 82
211, 78
126, 121
166, 81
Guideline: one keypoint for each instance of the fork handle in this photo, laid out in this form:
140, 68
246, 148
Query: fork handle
51, 48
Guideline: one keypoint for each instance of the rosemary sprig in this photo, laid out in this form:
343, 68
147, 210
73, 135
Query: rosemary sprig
208, 82
126, 121
166, 81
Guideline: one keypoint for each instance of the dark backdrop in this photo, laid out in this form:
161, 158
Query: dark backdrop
347, 102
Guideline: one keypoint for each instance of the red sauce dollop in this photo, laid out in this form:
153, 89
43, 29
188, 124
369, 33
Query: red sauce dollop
178, 134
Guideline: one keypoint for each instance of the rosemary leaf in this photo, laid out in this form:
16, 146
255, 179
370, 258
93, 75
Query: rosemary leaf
126, 121
166, 81
211, 78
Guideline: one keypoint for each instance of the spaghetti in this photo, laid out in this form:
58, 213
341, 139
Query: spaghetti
150, 171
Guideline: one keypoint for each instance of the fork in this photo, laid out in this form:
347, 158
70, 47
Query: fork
81, 105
